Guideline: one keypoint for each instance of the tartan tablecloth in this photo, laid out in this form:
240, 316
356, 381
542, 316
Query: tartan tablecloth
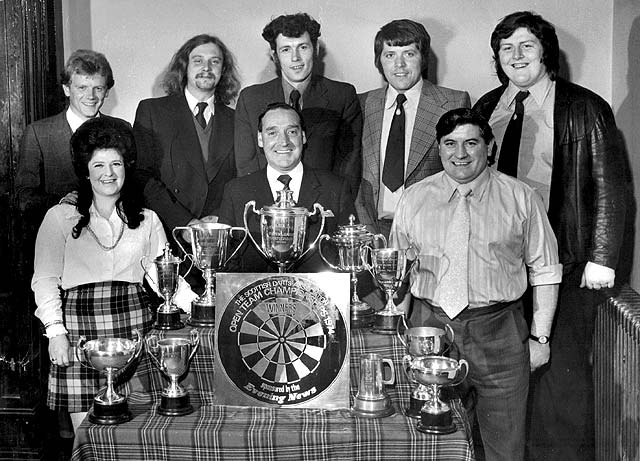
215, 432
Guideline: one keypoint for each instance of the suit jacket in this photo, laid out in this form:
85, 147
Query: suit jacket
178, 185
424, 158
325, 188
332, 122
587, 196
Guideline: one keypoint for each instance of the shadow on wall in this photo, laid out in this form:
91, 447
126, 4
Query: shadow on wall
627, 119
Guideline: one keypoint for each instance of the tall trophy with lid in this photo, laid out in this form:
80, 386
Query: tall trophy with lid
209, 245
348, 240
167, 265
283, 227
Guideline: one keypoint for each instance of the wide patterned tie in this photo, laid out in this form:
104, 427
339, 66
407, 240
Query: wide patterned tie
510, 150
285, 179
453, 290
200, 115
294, 100
393, 170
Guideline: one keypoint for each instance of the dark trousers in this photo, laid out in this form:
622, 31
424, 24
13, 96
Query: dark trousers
562, 401
494, 341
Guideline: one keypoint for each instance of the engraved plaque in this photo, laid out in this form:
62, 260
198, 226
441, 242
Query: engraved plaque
283, 340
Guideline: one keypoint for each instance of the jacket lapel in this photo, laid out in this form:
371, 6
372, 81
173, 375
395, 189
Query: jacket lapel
185, 137
220, 141
309, 189
371, 137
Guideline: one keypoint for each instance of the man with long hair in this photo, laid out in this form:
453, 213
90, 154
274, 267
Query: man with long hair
185, 139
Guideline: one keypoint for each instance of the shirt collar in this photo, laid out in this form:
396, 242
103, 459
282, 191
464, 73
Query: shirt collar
192, 102
413, 95
539, 91
74, 120
296, 173
477, 186
288, 87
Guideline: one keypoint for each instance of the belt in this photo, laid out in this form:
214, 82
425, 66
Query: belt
474, 312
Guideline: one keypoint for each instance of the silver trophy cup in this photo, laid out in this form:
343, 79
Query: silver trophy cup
372, 401
109, 356
167, 266
172, 356
283, 227
389, 267
421, 342
434, 372
348, 240
209, 245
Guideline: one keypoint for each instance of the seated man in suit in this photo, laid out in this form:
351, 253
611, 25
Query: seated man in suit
330, 109
282, 137
185, 139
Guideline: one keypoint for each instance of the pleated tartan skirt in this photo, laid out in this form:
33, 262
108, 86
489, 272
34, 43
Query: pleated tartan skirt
98, 310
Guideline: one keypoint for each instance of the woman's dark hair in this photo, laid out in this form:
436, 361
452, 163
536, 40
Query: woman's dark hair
106, 133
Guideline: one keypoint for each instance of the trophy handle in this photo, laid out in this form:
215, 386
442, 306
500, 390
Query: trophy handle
381, 238
186, 253
406, 367
139, 345
80, 347
152, 344
322, 238
450, 336
365, 256
401, 335
460, 376
144, 268
244, 238
317, 208
392, 378
195, 342
252, 204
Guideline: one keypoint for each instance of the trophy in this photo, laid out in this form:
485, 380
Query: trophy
172, 357
108, 356
283, 227
390, 268
372, 401
421, 342
167, 265
209, 253
348, 240
435, 372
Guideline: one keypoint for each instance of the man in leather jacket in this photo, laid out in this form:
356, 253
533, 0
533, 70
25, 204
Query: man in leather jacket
569, 151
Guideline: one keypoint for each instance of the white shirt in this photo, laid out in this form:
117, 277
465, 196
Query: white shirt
294, 185
388, 200
192, 102
64, 262
74, 120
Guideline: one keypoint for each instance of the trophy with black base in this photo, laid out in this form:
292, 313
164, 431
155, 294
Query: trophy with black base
167, 266
172, 357
109, 356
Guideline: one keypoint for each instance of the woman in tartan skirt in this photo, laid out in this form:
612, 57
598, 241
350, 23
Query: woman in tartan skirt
87, 274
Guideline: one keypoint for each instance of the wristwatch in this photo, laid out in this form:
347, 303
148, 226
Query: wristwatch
541, 339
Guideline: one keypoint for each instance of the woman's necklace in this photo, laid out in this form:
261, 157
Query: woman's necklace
105, 247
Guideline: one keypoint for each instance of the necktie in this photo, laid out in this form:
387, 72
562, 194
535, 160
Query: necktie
294, 100
393, 170
285, 179
200, 115
453, 289
509, 152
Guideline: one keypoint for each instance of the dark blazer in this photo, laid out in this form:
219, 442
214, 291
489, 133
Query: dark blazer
332, 122
327, 189
178, 185
424, 159
587, 197
44, 171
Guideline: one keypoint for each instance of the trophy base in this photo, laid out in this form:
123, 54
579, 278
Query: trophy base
361, 316
109, 414
175, 406
379, 408
202, 315
168, 321
413, 410
386, 324
439, 424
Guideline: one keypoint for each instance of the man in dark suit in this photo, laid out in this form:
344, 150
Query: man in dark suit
401, 53
282, 137
185, 139
330, 109
567, 148
44, 171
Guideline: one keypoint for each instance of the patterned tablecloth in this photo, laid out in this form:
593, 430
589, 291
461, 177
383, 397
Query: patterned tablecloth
215, 432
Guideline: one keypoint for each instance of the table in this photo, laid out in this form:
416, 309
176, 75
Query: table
215, 432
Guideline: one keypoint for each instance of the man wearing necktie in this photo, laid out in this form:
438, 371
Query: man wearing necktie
330, 108
480, 236
185, 139
567, 148
282, 137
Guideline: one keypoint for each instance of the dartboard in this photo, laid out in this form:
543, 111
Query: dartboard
283, 341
